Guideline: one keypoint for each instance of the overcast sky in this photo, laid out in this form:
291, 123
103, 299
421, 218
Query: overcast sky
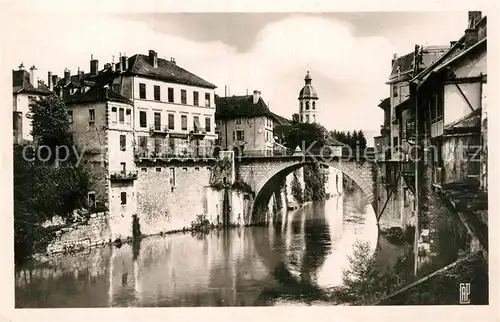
347, 54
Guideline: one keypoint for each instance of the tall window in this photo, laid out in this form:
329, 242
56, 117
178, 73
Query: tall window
208, 123
121, 115
196, 123
183, 96
114, 115
395, 91
172, 177
195, 98
240, 135
91, 115
157, 92
207, 99
301, 106
143, 119
123, 197
91, 199
142, 90
170, 94
123, 143
307, 106
314, 105
307, 118
128, 116
171, 120
157, 121
143, 141
184, 122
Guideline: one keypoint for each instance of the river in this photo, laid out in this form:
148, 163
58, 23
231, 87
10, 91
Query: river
293, 261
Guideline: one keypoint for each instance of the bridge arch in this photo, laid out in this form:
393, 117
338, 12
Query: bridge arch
265, 174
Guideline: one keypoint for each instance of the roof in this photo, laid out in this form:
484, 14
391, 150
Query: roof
308, 92
479, 45
21, 83
242, 106
430, 54
402, 64
97, 94
457, 51
473, 119
169, 71
141, 65
385, 103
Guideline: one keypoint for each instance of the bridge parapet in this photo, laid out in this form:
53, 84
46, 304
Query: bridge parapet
259, 171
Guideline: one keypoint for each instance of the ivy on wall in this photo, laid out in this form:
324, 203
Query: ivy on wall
223, 168
314, 182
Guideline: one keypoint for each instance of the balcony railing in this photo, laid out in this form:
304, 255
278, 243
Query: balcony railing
123, 176
158, 130
174, 153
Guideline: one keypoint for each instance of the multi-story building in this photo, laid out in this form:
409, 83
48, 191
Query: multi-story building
443, 128
308, 97
26, 87
382, 142
404, 68
245, 124
107, 144
147, 127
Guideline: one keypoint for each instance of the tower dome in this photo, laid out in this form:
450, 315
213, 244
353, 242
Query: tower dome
307, 102
308, 91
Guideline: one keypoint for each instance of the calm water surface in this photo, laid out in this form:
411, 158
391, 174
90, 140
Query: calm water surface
293, 261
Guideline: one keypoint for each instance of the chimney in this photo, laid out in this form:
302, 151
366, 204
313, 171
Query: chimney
21, 67
416, 59
153, 56
107, 66
67, 76
124, 62
256, 96
55, 80
94, 65
113, 66
49, 81
394, 57
80, 74
172, 59
33, 78
474, 17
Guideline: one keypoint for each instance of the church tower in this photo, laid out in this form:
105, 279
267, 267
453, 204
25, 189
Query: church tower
307, 102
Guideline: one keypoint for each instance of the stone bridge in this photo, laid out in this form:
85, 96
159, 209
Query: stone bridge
264, 174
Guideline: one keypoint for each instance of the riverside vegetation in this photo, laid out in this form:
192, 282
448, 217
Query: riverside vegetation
43, 186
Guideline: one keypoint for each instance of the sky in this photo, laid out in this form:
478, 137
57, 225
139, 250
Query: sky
348, 54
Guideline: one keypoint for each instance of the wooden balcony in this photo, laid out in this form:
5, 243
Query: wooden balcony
437, 127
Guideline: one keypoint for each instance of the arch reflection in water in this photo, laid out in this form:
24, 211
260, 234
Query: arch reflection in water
294, 262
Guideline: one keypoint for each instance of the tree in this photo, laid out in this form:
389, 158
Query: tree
363, 279
297, 192
50, 122
44, 189
295, 118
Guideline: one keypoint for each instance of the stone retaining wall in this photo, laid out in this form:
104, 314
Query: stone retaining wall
92, 233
